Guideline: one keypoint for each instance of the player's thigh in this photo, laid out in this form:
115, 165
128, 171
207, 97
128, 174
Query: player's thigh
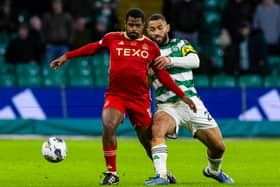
111, 118
163, 124
113, 112
211, 137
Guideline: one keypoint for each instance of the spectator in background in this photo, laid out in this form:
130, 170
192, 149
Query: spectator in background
248, 54
6, 22
186, 17
21, 49
81, 35
267, 18
236, 12
57, 31
104, 15
37, 37
99, 30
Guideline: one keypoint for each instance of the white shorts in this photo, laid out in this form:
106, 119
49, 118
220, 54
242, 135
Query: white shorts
185, 117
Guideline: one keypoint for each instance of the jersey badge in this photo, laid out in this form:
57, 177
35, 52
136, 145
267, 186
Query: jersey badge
175, 49
145, 46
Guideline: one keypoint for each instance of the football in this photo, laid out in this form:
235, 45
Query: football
54, 149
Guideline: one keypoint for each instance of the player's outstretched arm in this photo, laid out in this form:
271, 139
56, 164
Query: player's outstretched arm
58, 62
191, 61
87, 50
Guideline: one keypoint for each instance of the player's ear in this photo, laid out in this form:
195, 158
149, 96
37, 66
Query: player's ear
125, 25
144, 24
168, 27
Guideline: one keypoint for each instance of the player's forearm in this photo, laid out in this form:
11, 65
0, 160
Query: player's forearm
86, 50
168, 82
190, 61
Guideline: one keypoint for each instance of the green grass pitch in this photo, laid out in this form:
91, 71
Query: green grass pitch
253, 163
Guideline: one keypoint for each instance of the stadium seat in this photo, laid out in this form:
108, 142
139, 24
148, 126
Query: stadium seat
272, 81
101, 82
201, 81
101, 60
81, 81
223, 81
7, 69
249, 81
76, 70
54, 81
7, 80
4, 38
211, 4
46, 70
54, 78
274, 63
28, 69
28, 75
31, 81
2, 52
274, 59
212, 18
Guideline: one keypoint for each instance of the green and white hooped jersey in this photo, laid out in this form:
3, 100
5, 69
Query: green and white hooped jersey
182, 76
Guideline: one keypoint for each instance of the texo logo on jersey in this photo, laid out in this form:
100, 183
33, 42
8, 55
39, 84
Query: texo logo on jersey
132, 52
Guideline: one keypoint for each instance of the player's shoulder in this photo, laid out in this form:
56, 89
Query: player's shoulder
112, 35
183, 44
149, 41
181, 41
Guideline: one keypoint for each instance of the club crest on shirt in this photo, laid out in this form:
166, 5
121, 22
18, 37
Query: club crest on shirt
145, 46
175, 49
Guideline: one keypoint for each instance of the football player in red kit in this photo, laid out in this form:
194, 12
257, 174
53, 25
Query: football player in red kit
131, 54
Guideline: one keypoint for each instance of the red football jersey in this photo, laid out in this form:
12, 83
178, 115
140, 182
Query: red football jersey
129, 63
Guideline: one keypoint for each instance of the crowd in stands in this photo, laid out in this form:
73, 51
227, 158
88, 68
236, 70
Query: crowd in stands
232, 37
237, 36
39, 37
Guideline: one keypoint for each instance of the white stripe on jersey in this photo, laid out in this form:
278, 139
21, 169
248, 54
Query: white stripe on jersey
169, 94
179, 77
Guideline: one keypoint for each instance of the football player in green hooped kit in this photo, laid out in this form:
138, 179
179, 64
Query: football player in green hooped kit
179, 58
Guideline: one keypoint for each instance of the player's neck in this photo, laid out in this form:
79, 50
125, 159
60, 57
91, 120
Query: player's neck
141, 37
166, 42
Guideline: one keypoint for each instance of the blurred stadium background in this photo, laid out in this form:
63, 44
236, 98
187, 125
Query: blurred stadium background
242, 94
39, 101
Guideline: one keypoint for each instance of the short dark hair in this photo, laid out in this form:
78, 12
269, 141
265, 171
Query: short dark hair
156, 16
135, 13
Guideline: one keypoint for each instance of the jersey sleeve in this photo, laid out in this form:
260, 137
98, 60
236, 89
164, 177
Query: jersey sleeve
89, 49
104, 42
157, 51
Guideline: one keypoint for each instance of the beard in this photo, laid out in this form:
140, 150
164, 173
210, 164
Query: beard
162, 42
133, 35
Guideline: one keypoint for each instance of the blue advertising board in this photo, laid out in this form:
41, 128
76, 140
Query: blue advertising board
223, 103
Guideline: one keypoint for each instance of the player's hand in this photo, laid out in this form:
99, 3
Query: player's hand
58, 62
162, 62
189, 102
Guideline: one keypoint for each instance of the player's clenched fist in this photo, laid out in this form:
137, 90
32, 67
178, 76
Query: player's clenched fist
58, 62
189, 102
162, 62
